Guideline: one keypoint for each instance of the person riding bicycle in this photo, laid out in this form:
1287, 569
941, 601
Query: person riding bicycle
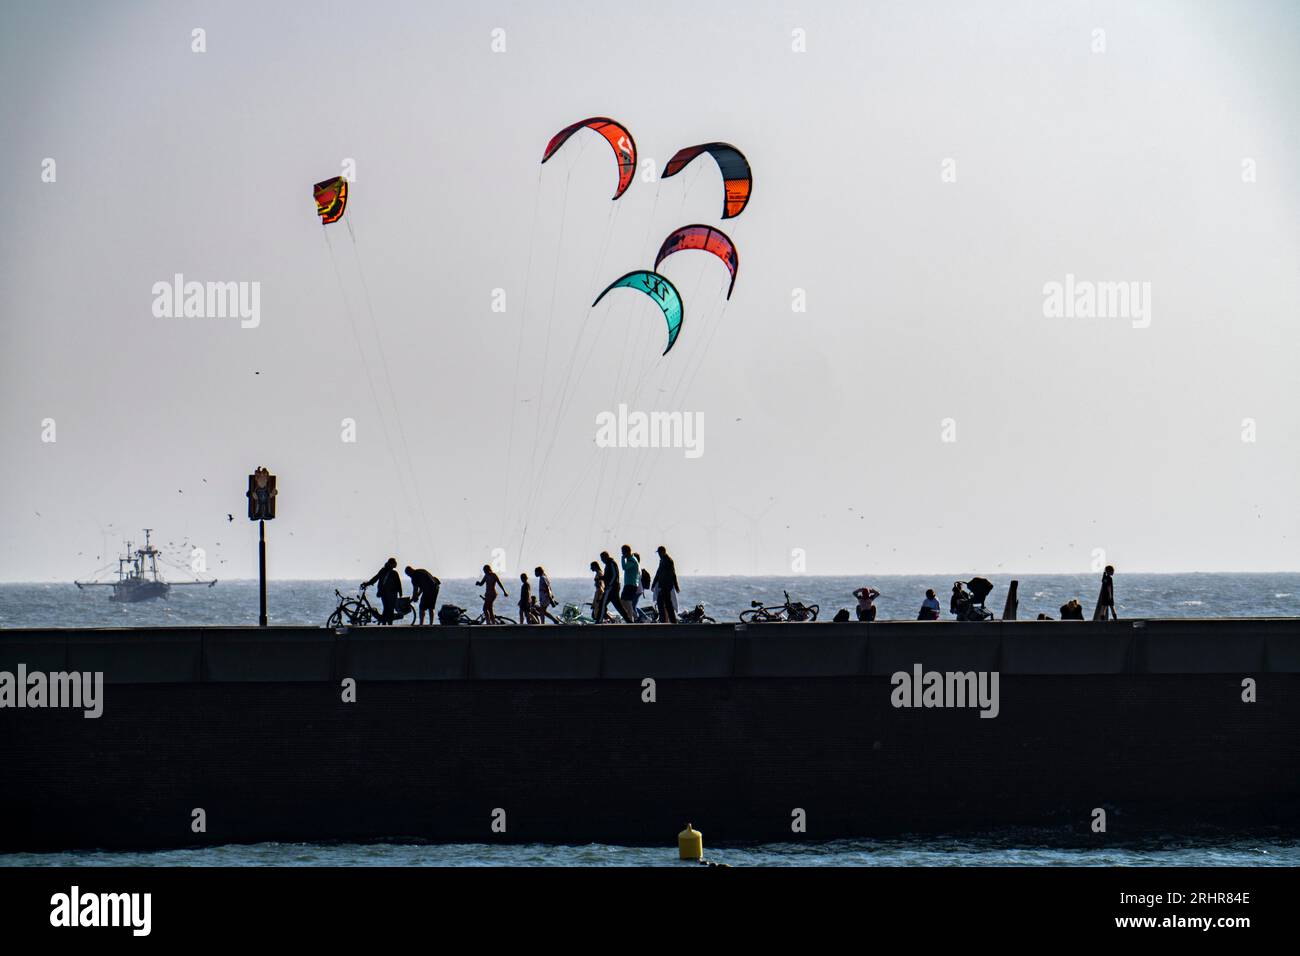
491, 581
388, 585
424, 588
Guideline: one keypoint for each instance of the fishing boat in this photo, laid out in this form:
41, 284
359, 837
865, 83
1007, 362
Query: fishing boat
136, 582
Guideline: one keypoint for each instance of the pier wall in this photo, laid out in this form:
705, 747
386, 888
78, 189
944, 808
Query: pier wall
549, 731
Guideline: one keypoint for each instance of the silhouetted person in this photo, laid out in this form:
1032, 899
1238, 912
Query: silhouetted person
929, 607
388, 586
609, 590
546, 598
665, 586
491, 581
631, 583
526, 601
424, 588
960, 600
866, 603
598, 599
1072, 610
1106, 601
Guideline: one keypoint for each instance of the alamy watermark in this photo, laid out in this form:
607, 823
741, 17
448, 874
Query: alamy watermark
208, 300
1085, 299
76, 908
922, 688
624, 429
83, 690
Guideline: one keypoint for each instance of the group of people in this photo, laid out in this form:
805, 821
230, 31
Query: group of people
536, 608
962, 602
662, 588
533, 608
388, 588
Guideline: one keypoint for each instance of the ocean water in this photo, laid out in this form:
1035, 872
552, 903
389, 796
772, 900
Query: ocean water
310, 602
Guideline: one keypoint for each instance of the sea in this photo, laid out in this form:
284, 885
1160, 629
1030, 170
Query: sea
310, 602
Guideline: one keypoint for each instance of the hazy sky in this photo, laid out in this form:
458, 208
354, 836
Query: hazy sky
1167, 158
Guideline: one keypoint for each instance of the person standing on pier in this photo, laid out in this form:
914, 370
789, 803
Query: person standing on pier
389, 588
609, 591
525, 599
1106, 600
546, 598
631, 583
424, 588
598, 599
665, 587
491, 581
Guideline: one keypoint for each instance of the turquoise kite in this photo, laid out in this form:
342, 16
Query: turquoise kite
658, 288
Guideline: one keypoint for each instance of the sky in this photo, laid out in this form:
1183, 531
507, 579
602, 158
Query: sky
887, 390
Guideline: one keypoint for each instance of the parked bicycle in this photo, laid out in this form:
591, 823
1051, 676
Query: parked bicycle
358, 611
789, 611
695, 616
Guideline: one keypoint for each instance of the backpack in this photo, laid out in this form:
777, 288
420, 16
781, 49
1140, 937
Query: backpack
449, 614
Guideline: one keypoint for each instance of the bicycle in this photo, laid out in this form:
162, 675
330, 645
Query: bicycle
695, 616
358, 611
759, 613
354, 611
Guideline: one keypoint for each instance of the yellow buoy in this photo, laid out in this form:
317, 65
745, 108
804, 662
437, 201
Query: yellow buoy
690, 844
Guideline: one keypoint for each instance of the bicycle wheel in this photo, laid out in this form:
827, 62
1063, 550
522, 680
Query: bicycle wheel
814, 609
335, 619
750, 616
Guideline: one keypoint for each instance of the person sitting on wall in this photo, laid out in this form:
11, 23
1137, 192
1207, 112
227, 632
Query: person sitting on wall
389, 588
929, 607
960, 600
866, 603
1072, 610
424, 588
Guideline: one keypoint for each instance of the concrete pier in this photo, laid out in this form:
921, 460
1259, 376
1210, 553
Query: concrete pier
622, 733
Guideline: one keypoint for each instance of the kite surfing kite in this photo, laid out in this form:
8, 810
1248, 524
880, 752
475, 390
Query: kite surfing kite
619, 139
736, 177
658, 288
331, 199
706, 238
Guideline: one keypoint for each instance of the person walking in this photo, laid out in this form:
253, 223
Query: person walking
665, 587
1106, 600
388, 586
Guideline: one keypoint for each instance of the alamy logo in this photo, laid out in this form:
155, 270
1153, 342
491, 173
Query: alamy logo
624, 429
1084, 299
76, 689
922, 688
208, 300
75, 908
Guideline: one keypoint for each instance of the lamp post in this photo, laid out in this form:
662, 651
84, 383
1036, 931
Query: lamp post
261, 508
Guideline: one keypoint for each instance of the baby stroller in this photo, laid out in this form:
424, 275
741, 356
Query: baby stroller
969, 605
